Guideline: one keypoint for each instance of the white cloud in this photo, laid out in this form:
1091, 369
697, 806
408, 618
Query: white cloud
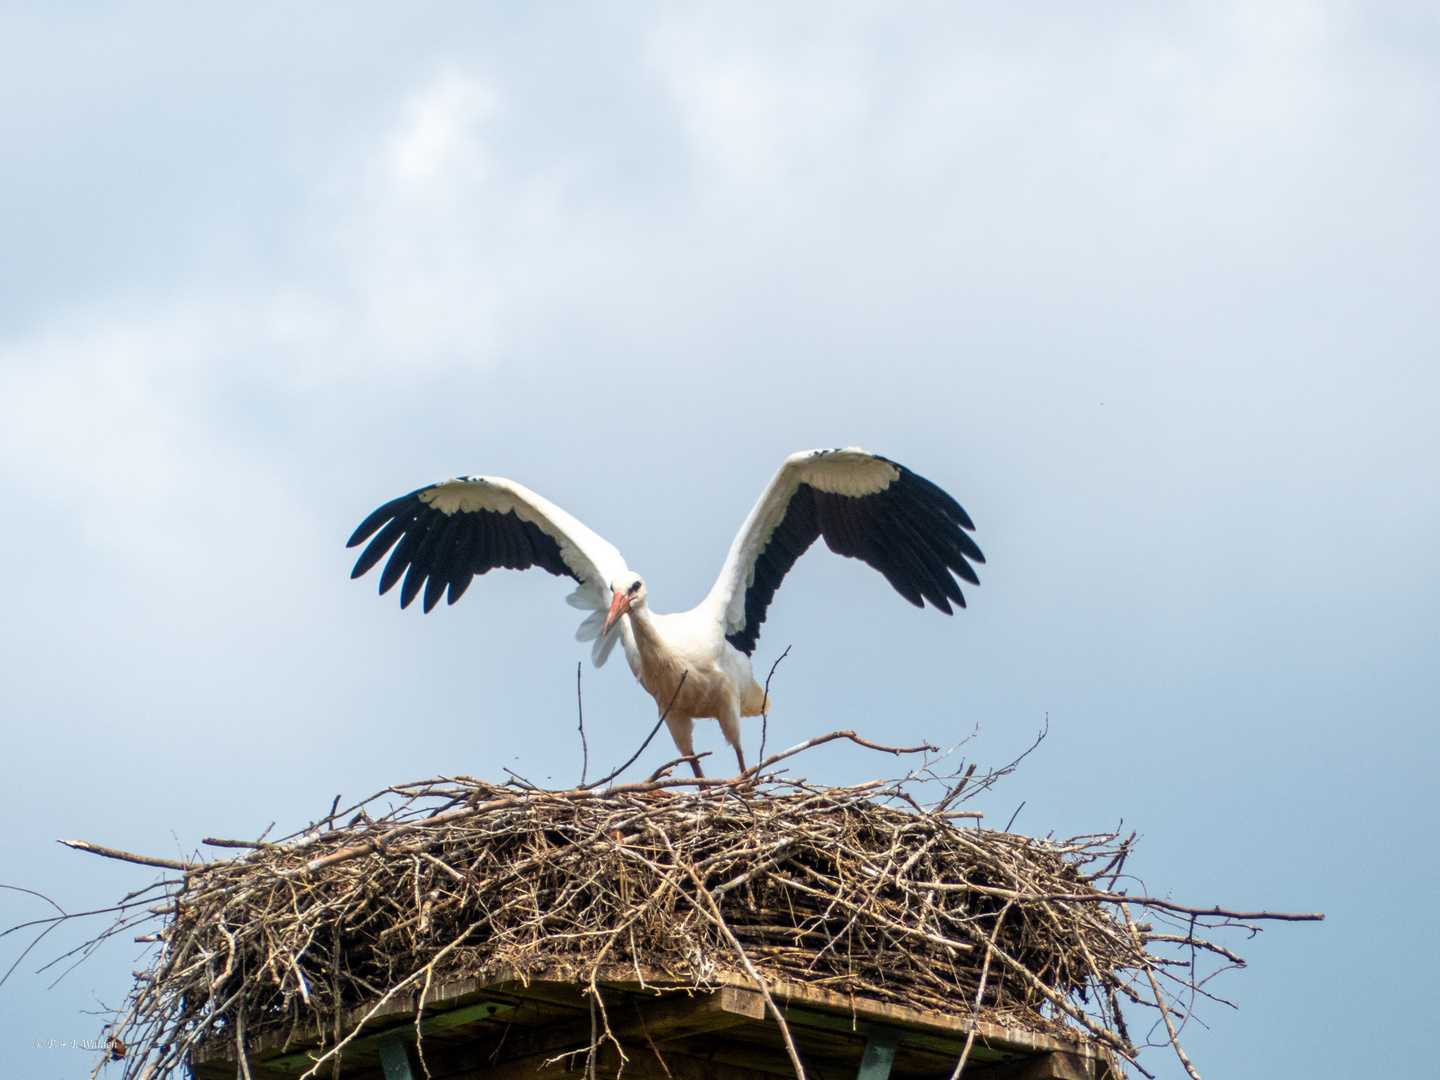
437, 145
124, 417
112, 424
759, 120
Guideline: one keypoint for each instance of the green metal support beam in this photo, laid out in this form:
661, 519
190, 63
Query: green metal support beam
879, 1054
393, 1058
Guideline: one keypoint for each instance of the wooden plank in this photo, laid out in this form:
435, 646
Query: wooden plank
641, 1063
1011, 1039
369, 1044
680, 1015
550, 1014
1054, 1065
638, 1021
949, 1047
908, 1018
449, 995
658, 1019
689, 1067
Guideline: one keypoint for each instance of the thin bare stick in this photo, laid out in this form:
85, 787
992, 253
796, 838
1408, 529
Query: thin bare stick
241, 1050
1100, 896
1160, 999
765, 704
724, 928
821, 740
956, 791
125, 856
580, 708
255, 845
663, 769
594, 1039
673, 698
979, 991
32, 892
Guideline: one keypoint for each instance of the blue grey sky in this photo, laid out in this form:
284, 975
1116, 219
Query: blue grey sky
1152, 290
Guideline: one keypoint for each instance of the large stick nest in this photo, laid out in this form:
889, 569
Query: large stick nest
858, 890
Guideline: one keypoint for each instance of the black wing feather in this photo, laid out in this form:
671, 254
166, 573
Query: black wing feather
406, 549
922, 550
920, 490
423, 559
383, 542
460, 576
442, 564
382, 515
932, 518
798, 529
504, 546
913, 532
443, 552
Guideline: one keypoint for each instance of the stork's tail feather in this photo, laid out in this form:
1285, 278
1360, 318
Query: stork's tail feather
754, 702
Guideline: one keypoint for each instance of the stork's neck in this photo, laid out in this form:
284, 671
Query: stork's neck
661, 670
656, 656
647, 636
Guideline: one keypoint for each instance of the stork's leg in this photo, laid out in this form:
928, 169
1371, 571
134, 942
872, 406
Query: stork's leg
730, 726
682, 730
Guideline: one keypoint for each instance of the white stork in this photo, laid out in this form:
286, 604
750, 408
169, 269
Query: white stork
865, 506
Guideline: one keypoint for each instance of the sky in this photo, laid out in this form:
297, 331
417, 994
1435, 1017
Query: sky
1151, 289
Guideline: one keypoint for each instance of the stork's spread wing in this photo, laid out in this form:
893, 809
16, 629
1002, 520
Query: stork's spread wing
867, 507
445, 534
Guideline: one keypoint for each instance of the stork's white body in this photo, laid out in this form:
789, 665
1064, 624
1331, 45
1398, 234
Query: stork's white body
687, 666
695, 664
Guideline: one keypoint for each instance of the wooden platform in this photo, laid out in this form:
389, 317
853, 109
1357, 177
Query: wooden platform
507, 1030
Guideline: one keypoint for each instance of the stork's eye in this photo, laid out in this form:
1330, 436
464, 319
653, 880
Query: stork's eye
634, 588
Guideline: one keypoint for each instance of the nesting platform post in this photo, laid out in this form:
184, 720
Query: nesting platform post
543, 1027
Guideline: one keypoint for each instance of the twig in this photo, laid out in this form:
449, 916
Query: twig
673, 698
125, 856
241, 1050
956, 791
821, 740
765, 704
1160, 999
1101, 896
980, 989
744, 958
211, 841
580, 708
32, 892
663, 769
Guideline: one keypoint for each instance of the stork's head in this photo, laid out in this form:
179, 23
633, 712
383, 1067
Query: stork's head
629, 593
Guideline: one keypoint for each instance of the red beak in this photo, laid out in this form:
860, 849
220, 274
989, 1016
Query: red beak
619, 606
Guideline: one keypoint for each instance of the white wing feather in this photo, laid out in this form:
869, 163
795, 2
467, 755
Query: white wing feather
591, 627
595, 561
604, 646
850, 471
